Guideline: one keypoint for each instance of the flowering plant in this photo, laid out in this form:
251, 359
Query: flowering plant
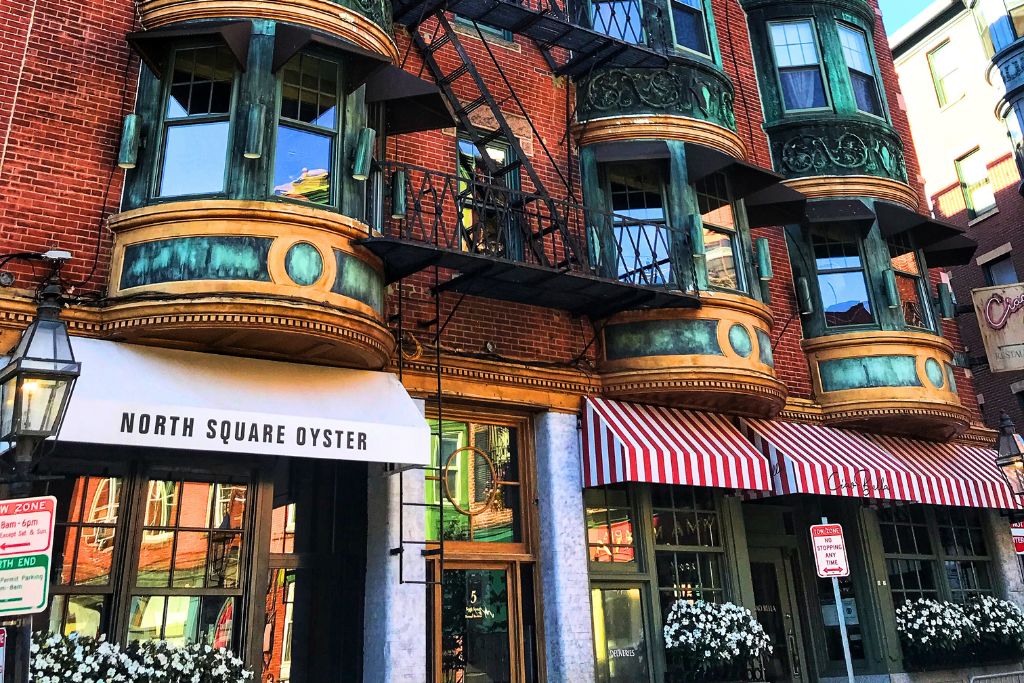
712, 635
999, 625
80, 659
931, 627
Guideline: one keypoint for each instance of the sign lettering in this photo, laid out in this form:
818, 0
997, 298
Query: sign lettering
1001, 326
829, 551
26, 543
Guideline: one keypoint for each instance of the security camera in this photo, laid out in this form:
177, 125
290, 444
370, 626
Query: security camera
56, 255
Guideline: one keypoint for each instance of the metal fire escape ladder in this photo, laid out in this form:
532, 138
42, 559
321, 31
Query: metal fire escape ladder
445, 35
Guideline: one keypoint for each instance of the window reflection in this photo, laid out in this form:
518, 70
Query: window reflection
719, 232
909, 282
307, 128
841, 281
619, 635
609, 524
640, 226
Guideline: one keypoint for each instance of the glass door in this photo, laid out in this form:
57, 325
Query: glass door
775, 608
476, 626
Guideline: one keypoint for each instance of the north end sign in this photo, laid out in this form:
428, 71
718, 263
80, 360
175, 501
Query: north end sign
1000, 312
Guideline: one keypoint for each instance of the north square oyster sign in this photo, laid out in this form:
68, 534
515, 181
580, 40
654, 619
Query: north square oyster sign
1000, 312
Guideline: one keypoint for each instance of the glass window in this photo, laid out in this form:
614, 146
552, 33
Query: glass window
486, 29
953, 567
688, 545
307, 130
689, 25
622, 19
188, 580
619, 635
974, 182
721, 243
944, 66
639, 226
478, 484
487, 225
1001, 272
196, 122
909, 282
862, 72
841, 281
475, 626
796, 56
610, 524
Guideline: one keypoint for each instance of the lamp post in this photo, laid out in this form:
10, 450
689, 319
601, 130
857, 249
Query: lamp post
1010, 446
35, 386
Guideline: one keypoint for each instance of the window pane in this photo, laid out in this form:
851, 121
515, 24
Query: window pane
609, 525
619, 636
974, 181
641, 237
475, 626
802, 88
194, 159
190, 559
855, 49
945, 74
1001, 272
82, 614
182, 621
309, 91
622, 19
302, 165
909, 285
688, 20
217, 622
201, 82
844, 297
793, 43
866, 93
146, 618
720, 257
280, 603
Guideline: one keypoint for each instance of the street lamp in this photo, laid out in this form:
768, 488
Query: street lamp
35, 386
1010, 446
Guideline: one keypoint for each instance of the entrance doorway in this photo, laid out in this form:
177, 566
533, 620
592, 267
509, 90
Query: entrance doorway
776, 610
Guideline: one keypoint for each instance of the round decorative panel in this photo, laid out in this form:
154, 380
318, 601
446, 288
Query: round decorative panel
470, 480
304, 264
934, 371
739, 339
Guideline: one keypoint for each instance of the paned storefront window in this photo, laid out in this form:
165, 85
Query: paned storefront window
841, 281
688, 545
196, 122
619, 635
935, 552
307, 130
610, 524
721, 250
799, 64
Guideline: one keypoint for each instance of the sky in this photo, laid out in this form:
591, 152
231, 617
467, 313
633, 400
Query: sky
895, 13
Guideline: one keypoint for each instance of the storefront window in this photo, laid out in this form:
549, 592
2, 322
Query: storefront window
830, 619
721, 251
476, 495
619, 635
196, 122
934, 552
610, 524
688, 545
307, 128
841, 281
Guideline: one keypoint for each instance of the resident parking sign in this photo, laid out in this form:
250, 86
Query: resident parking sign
829, 551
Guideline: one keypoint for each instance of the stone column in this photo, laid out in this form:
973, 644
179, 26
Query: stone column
563, 550
1005, 563
395, 618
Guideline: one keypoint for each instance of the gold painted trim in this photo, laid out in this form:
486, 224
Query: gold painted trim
817, 187
659, 127
319, 14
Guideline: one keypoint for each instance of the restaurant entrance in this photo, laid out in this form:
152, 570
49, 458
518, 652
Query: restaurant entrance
772, 575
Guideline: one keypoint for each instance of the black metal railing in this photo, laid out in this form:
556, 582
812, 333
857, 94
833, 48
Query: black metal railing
487, 217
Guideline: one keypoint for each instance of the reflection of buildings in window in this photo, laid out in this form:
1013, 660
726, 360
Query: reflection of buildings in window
903, 260
103, 510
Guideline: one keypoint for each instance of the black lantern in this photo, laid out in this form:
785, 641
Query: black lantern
37, 381
1011, 454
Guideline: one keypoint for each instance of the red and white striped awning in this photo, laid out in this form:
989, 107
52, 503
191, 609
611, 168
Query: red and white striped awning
956, 475
625, 442
809, 458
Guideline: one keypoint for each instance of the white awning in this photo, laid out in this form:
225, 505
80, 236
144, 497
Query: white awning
143, 396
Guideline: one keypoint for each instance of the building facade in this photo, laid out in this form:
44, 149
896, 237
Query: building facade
457, 341
970, 172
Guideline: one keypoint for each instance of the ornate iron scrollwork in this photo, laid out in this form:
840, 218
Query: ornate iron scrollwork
839, 149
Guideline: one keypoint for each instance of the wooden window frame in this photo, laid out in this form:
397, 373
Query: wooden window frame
705, 21
875, 71
968, 192
938, 81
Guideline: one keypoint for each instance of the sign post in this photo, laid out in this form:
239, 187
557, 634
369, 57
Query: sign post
26, 546
831, 562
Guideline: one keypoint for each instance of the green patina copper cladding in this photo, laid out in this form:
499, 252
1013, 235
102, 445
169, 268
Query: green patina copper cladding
933, 369
662, 338
837, 148
358, 280
950, 377
871, 372
836, 139
183, 259
304, 264
693, 89
740, 341
764, 347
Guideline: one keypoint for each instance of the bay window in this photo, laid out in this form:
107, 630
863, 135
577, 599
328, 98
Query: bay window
689, 25
857, 54
196, 122
718, 224
799, 64
910, 285
640, 225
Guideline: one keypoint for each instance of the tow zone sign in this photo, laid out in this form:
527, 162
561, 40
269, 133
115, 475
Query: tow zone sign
829, 551
26, 545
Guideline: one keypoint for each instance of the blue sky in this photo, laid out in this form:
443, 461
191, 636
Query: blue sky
895, 13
